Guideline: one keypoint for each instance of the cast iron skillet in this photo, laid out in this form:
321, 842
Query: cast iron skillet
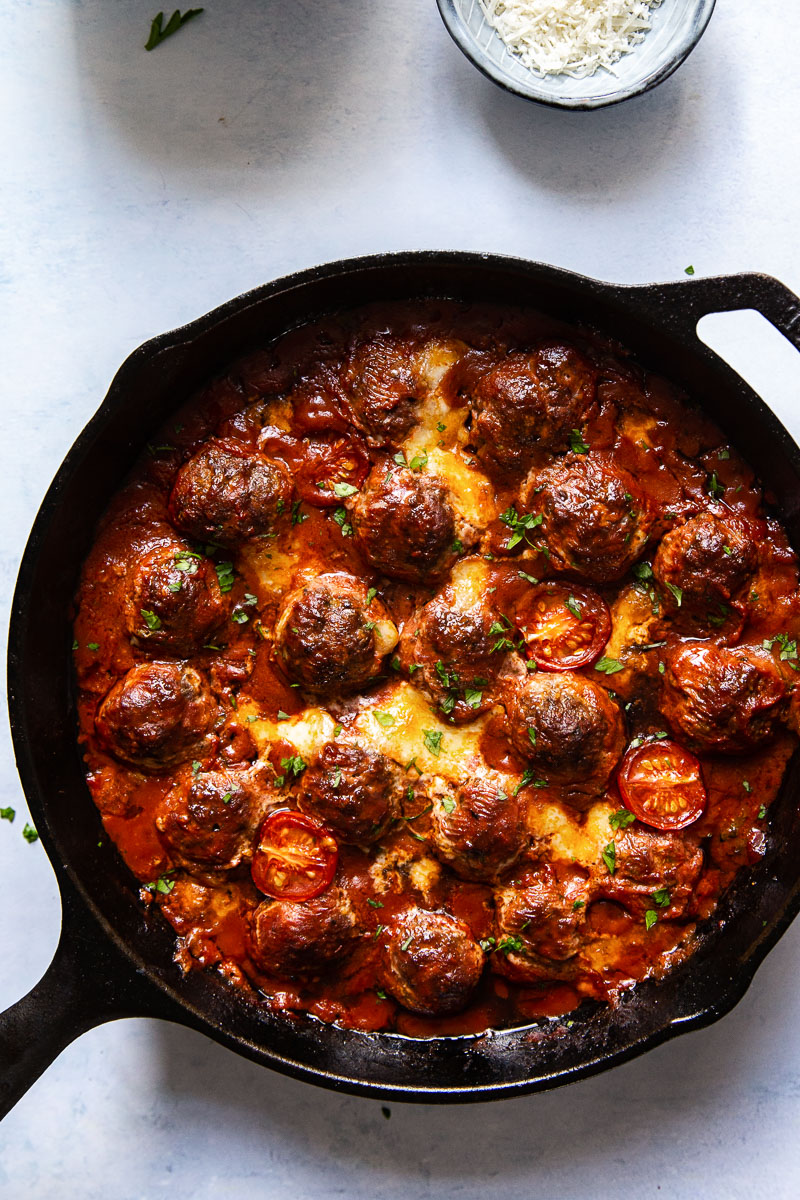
113, 959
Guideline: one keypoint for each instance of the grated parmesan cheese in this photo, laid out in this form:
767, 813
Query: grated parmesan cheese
569, 37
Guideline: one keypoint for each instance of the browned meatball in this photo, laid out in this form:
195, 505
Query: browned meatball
532, 401
330, 638
208, 821
404, 524
175, 602
567, 727
355, 792
719, 699
156, 715
649, 861
453, 655
300, 938
381, 389
229, 495
594, 519
431, 962
704, 562
539, 925
477, 829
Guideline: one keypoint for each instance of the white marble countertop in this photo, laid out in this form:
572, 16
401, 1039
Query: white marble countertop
140, 190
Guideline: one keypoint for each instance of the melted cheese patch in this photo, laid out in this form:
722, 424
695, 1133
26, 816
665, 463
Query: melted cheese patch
307, 732
631, 620
468, 581
564, 837
274, 565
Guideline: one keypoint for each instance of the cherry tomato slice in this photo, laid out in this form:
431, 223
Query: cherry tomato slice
662, 785
564, 627
295, 858
324, 471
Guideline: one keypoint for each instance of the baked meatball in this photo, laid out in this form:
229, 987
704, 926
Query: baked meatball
649, 861
330, 638
175, 603
300, 938
721, 700
451, 654
404, 524
157, 715
477, 829
706, 562
381, 389
594, 519
532, 401
354, 791
229, 495
208, 821
539, 925
431, 962
567, 727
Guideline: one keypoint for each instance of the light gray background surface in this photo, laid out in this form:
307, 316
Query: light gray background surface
140, 190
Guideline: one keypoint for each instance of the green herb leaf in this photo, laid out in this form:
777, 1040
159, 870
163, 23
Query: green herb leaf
661, 897
297, 516
508, 944
344, 489
688, 270
282, 716
7, 814
226, 799
224, 575
448, 804
610, 857
529, 578
621, 819
186, 561
578, 904
383, 718
473, 697
374, 903
650, 918
295, 763
151, 619
572, 605
677, 593
29, 833
576, 443
762, 812
340, 517
159, 32
419, 461
406, 943
715, 488
371, 594
458, 546
433, 741
239, 616
609, 666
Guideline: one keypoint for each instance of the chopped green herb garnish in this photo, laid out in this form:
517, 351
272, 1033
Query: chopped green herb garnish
406, 943
371, 594
186, 561
578, 904
572, 606
374, 903
29, 833
650, 918
519, 525
715, 488
532, 736
224, 575
458, 546
162, 885
677, 593
340, 517
661, 897
433, 741
747, 786
529, 578
383, 718
296, 764
92, 645
610, 857
621, 819
576, 443
609, 666
448, 804
688, 270
239, 616
282, 716
226, 799
419, 461
7, 814
762, 812
297, 516
344, 489
508, 944
473, 697
337, 729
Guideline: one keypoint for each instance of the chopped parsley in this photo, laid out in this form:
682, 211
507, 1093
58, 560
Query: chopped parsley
29, 833
532, 736
621, 819
448, 804
186, 561
282, 716
159, 32
239, 616
371, 594
340, 517
7, 814
433, 741
747, 786
224, 575
610, 857
508, 944
473, 697
250, 599
297, 516
661, 897
529, 777
609, 666
344, 489
162, 885
788, 651
572, 605
578, 904
406, 943
92, 645
226, 799
650, 918
576, 443
296, 764
688, 270
526, 576
762, 812
458, 546
676, 591
337, 729
383, 718
196, 766
337, 778
715, 488
519, 525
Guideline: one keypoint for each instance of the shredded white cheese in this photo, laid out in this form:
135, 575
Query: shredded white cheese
569, 37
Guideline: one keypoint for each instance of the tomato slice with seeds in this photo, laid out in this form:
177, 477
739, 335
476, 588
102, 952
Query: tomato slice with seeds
324, 471
564, 627
295, 858
662, 785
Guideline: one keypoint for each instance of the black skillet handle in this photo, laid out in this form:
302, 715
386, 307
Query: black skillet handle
88, 983
682, 304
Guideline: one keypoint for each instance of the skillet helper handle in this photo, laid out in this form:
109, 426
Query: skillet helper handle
682, 304
87, 983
